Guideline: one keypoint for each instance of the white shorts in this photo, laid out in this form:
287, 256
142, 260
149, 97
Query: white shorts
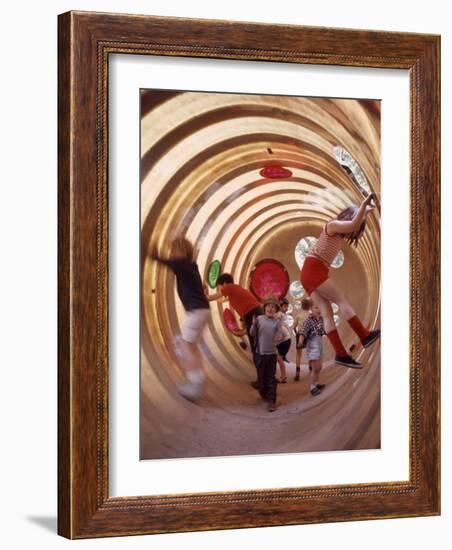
314, 347
194, 323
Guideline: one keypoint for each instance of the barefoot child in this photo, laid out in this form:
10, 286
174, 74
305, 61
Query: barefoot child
347, 227
266, 331
191, 293
311, 335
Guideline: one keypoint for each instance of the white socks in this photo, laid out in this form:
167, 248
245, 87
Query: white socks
196, 376
193, 389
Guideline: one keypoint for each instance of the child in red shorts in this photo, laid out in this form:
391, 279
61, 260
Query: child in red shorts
347, 227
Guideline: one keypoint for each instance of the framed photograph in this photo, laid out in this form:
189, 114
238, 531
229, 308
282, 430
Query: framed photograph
248, 275
253, 220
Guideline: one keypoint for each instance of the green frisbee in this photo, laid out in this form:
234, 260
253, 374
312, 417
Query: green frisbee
214, 273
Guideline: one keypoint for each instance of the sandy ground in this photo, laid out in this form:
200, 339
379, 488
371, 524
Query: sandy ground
232, 419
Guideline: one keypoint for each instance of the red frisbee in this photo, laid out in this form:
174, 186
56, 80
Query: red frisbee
275, 171
269, 278
229, 320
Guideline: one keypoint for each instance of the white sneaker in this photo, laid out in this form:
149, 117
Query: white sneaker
190, 391
196, 377
193, 389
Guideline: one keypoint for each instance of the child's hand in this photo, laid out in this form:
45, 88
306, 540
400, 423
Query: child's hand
368, 200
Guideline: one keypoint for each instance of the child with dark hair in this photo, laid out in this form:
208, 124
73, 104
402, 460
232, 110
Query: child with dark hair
242, 301
191, 293
347, 227
267, 330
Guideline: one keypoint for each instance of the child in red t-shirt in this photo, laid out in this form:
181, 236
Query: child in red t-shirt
242, 301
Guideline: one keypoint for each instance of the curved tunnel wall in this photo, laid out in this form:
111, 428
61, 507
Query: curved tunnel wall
201, 158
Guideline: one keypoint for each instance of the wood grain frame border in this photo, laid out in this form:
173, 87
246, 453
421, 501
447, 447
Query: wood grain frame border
85, 41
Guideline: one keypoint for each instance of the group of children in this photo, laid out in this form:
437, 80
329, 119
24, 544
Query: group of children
272, 340
268, 333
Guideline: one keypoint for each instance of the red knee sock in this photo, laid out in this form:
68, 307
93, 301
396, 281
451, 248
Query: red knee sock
333, 337
358, 327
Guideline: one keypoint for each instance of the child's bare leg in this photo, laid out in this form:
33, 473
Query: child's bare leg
297, 364
325, 309
330, 328
194, 373
314, 386
298, 359
282, 368
331, 292
190, 354
320, 386
315, 372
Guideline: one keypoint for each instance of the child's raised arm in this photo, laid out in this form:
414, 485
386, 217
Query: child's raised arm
305, 328
211, 297
153, 253
344, 226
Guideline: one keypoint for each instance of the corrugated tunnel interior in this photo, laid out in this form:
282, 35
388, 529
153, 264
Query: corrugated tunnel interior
201, 158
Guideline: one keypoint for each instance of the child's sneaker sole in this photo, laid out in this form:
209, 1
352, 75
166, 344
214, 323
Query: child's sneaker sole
374, 335
191, 392
348, 362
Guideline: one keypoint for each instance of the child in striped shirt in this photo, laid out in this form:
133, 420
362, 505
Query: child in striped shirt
311, 336
315, 278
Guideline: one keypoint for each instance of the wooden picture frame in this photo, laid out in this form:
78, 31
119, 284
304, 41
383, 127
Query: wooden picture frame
85, 508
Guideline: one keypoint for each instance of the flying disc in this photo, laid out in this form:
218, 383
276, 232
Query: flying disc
229, 320
213, 273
